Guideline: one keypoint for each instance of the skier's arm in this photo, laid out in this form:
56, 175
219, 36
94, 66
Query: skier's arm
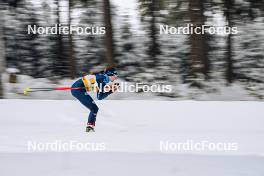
102, 95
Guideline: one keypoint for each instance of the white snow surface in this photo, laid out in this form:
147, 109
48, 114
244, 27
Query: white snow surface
132, 132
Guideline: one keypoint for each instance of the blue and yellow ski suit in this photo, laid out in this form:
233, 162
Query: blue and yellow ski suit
99, 80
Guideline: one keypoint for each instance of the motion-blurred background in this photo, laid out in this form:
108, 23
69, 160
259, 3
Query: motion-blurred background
202, 67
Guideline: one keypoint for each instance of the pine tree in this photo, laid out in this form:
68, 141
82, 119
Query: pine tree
198, 42
71, 46
2, 51
90, 49
149, 10
109, 42
229, 4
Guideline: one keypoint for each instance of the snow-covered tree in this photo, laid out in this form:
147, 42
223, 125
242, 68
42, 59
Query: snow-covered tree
2, 51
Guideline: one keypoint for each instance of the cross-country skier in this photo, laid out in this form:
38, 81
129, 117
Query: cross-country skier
98, 82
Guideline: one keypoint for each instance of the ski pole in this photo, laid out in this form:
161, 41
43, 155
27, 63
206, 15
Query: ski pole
28, 89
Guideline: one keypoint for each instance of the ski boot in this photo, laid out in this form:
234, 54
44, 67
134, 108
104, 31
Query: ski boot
90, 128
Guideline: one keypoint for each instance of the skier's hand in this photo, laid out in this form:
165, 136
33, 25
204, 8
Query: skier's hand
115, 87
116, 84
111, 87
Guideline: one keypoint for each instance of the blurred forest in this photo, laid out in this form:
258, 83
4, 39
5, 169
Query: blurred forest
201, 62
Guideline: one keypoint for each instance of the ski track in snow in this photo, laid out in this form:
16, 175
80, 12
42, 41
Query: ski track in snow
132, 131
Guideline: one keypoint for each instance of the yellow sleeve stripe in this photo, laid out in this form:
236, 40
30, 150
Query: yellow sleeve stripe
88, 86
84, 80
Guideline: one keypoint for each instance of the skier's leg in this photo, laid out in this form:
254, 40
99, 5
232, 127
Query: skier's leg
94, 109
88, 102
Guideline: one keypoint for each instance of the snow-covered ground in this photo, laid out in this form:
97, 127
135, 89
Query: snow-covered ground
128, 138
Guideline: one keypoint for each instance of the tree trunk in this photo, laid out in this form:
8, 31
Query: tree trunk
109, 43
71, 52
2, 54
229, 60
199, 47
154, 48
58, 61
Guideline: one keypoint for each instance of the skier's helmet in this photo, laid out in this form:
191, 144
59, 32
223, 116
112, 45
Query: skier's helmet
111, 72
